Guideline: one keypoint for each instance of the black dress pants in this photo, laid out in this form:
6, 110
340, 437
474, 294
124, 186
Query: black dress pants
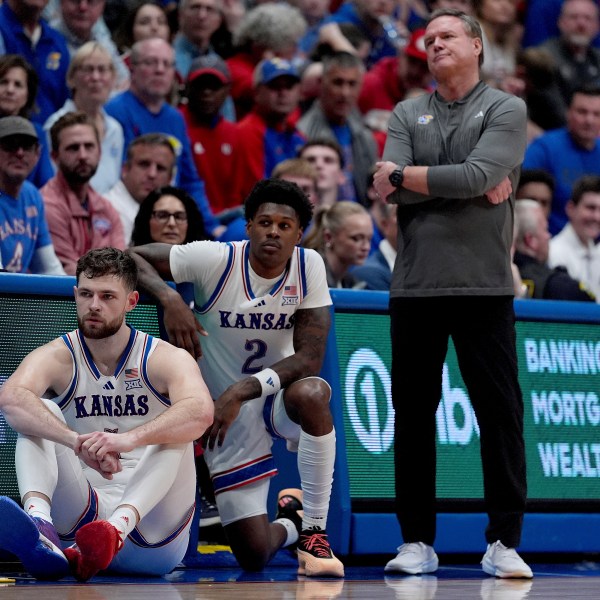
482, 329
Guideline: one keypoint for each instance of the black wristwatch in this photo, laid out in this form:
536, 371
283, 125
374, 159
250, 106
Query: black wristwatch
397, 177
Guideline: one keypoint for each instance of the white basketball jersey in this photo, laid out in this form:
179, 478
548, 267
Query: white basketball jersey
118, 402
250, 320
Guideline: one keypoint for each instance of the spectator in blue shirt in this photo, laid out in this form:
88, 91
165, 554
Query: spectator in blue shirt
25, 243
24, 32
570, 152
143, 109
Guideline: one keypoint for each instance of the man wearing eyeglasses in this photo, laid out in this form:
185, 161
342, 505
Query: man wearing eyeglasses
144, 108
25, 242
79, 218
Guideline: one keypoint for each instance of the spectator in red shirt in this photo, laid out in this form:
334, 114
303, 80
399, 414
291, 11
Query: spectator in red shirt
213, 139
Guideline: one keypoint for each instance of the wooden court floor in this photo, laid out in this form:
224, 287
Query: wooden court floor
457, 582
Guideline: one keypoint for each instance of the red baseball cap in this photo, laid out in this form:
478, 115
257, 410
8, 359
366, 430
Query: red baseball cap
211, 64
416, 45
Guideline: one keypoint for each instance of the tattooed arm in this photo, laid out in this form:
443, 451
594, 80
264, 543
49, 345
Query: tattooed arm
310, 337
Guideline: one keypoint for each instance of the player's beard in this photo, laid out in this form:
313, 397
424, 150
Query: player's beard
100, 332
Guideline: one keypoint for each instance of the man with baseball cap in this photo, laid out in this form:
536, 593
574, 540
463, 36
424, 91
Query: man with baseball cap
266, 136
25, 243
391, 78
213, 138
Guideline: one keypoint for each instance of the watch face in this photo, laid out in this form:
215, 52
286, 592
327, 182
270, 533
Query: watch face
396, 178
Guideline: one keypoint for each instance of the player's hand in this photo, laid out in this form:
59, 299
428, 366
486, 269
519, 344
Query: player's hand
98, 444
499, 193
182, 327
381, 181
227, 408
107, 467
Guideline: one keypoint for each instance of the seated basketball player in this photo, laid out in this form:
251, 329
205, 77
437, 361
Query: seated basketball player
265, 306
106, 461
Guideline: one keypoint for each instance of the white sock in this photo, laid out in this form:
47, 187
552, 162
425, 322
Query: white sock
38, 507
124, 520
290, 528
316, 456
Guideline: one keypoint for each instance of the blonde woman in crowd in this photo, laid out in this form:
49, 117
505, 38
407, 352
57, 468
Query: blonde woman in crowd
91, 79
342, 235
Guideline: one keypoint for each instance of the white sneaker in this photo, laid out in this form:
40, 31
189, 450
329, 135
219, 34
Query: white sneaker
504, 562
413, 558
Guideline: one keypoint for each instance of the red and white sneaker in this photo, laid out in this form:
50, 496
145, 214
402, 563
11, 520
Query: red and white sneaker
97, 543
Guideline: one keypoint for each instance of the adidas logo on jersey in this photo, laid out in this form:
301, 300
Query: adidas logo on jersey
108, 386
